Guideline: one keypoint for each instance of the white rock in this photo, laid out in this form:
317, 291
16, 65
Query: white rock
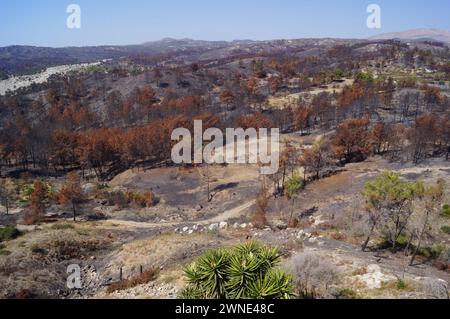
223, 225
89, 187
244, 225
195, 227
374, 277
16, 211
185, 229
191, 231
213, 227
235, 225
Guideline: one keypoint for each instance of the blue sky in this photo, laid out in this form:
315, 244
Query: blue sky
43, 22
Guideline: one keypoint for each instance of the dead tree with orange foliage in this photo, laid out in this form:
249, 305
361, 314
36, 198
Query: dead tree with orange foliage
316, 159
256, 121
301, 119
351, 141
72, 193
36, 209
423, 137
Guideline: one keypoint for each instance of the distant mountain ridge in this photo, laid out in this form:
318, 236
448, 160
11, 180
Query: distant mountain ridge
416, 34
17, 59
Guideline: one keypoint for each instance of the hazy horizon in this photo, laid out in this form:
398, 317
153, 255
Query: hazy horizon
132, 22
217, 40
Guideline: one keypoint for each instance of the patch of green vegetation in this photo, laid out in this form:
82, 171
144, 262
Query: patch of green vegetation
293, 185
28, 189
365, 77
95, 69
101, 187
446, 229
401, 285
63, 226
9, 233
446, 210
402, 240
345, 293
432, 252
3, 251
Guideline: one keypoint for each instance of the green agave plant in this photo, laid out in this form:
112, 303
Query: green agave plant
274, 285
243, 272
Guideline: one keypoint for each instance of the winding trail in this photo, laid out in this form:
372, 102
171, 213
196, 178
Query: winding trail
224, 216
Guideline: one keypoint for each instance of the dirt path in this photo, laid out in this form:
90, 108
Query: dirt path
226, 215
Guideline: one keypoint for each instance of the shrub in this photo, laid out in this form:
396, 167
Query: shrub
68, 246
446, 229
441, 265
293, 185
147, 199
401, 284
28, 189
446, 210
23, 294
338, 236
125, 199
345, 293
115, 198
262, 201
63, 226
9, 233
313, 275
38, 199
433, 252
243, 272
102, 187
144, 278
3, 251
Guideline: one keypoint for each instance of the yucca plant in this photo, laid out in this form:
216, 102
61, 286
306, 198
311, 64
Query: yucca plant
243, 272
274, 285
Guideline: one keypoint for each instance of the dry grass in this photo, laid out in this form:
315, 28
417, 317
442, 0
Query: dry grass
144, 278
262, 201
360, 271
